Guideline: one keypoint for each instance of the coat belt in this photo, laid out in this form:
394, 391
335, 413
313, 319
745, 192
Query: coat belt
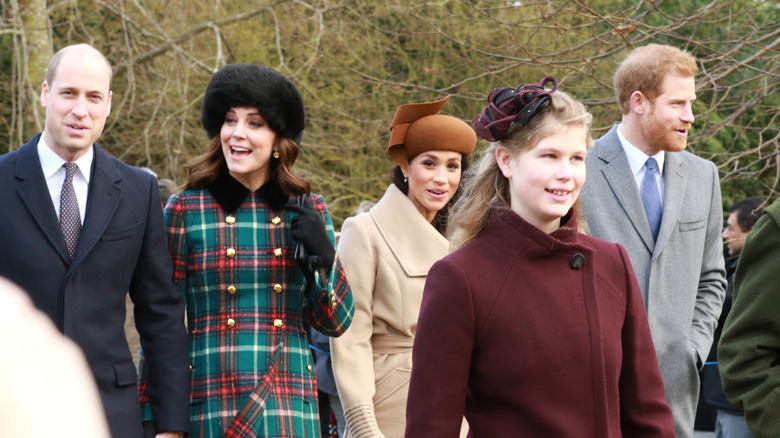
391, 344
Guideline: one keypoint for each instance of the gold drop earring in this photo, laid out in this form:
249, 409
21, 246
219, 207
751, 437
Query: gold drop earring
276, 154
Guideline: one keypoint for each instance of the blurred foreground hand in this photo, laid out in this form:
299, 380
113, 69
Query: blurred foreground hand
47, 388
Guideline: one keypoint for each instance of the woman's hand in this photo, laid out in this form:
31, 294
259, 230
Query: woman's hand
307, 228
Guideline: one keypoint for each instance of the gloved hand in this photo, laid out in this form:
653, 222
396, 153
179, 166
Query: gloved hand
307, 228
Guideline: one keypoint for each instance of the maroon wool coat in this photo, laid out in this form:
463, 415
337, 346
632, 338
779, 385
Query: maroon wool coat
535, 335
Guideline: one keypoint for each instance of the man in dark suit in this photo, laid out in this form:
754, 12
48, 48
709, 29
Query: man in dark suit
78, 238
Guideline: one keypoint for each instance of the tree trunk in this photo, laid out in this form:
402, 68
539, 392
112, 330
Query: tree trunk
36, 50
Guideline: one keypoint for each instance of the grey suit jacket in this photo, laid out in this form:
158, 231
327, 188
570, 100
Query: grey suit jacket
681, 274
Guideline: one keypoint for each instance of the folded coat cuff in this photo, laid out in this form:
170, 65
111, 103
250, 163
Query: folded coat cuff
361, 422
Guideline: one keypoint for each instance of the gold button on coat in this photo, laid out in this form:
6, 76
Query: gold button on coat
309, 367
231, 323
277, 288
278, 323
230, 219
278, 252
276, 220
231, 290
231, 252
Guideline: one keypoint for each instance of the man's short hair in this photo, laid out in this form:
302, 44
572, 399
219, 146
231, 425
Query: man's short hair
645, 68
54, 63
748, 211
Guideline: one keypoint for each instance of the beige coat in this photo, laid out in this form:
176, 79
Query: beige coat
386, 254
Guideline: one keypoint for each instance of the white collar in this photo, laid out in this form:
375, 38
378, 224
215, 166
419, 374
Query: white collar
636, 158
51, 162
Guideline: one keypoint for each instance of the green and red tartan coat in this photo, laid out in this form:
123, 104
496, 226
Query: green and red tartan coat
252, 370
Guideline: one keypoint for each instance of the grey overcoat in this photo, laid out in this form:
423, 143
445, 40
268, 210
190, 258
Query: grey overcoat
681, 275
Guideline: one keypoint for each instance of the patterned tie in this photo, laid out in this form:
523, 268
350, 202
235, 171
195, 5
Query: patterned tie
70, 219
651, 198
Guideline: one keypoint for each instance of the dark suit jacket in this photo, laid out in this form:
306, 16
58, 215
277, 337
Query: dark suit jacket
122, 248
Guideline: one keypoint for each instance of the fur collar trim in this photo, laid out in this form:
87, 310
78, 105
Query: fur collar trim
230, 194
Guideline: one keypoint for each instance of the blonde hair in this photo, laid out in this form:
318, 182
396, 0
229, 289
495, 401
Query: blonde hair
485, 185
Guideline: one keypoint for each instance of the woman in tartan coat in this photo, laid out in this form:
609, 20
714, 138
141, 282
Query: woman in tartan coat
232, 235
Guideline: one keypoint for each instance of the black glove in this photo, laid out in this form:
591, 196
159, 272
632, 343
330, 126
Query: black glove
307, 228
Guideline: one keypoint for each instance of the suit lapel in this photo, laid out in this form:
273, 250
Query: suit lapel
617, 172
102, 201
675, 180
34, 192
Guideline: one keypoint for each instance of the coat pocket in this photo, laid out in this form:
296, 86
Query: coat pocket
693, 225
393, 386
125, 373
122, 233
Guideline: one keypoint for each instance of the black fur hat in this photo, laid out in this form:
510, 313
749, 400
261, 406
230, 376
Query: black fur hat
277, 99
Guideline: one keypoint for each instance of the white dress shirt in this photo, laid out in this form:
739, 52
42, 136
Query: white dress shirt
637, 159
51, 163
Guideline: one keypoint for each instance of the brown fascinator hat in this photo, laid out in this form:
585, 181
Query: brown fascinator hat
417, 127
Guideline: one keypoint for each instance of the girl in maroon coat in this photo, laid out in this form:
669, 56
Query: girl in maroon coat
530, 328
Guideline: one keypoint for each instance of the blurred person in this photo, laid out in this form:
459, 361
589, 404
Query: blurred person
167, 188
663, 205
529, 327
743, 215
233, 234
81, 231
749, 347
48, 376
729, 419
363, 207
386, 254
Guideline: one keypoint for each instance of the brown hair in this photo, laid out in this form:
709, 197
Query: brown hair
205, 168
644, 69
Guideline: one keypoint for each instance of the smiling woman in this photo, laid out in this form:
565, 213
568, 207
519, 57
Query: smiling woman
233, 233
524, 277
387, 253
433, 178
247, 144
546, 180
